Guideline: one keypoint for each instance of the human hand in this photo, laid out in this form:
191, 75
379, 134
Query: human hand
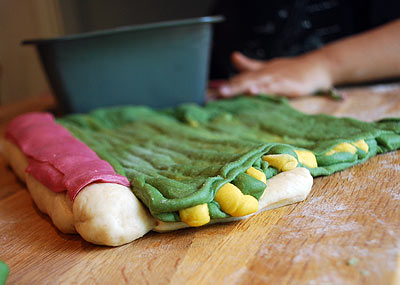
290, 77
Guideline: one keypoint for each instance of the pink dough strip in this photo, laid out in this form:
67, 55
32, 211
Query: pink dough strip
56, 158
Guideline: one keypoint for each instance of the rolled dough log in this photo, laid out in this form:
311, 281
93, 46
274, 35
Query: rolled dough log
110, 214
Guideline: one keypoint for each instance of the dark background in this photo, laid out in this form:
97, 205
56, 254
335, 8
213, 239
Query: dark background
259, 29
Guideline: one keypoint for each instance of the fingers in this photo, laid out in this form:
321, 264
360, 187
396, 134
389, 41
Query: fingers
237, 86
286, 89
243, 63
253, 75
290, 77
249, 83
246, 82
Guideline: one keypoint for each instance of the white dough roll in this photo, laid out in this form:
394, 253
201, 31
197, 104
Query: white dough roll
102, 213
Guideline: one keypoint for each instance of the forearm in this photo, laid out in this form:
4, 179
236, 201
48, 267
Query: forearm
372, 55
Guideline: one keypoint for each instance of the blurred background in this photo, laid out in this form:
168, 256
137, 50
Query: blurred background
260, 29
21, 74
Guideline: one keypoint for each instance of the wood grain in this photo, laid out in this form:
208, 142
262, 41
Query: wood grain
346, 232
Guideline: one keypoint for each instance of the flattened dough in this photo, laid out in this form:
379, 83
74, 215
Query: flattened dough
110, 214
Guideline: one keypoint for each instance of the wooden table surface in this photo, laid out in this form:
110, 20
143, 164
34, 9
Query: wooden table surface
346, 232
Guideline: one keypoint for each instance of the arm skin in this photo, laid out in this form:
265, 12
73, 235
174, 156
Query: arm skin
368, 56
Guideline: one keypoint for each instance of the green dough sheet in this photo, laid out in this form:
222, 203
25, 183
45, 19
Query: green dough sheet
178, 158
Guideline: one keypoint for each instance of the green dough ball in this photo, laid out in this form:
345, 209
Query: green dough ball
282, 149
250, 185
4, 270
